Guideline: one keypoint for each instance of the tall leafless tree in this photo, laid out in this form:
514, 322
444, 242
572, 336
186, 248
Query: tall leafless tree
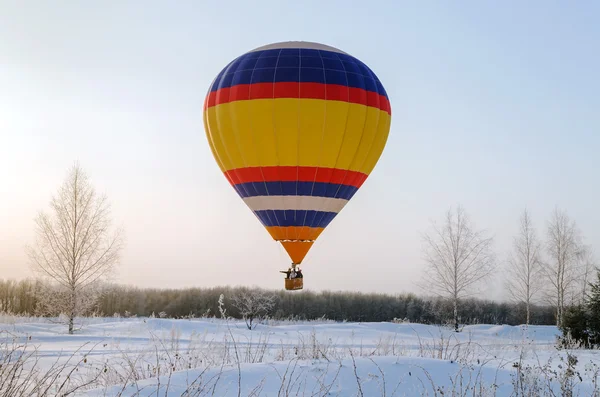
523, 280
75, 247
458, 258
586, 268
564, 247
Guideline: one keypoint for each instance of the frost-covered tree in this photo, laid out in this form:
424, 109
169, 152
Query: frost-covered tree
564, 248
55, 300
458, 258
586, 266
523, 276
75, 247
253, 305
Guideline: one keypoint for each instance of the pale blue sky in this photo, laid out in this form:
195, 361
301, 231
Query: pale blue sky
495, 106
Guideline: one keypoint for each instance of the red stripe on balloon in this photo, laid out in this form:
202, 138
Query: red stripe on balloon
293, 173
333, 92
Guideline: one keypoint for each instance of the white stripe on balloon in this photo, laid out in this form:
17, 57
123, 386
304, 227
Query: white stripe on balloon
309, 203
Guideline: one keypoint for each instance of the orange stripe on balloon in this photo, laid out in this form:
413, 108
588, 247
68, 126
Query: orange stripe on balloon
297, 250
294, 232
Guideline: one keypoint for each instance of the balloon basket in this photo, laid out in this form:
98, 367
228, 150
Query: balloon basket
294, 284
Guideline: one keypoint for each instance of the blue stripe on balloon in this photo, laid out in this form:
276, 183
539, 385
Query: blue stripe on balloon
298, 65
295, 218
315, 189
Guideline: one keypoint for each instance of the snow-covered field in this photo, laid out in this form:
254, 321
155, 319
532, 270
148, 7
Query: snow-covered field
213, 357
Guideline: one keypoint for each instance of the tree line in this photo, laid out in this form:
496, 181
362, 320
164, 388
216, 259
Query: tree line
23, 298
309, 305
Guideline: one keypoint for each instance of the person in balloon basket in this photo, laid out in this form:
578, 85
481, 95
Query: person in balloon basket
292, 273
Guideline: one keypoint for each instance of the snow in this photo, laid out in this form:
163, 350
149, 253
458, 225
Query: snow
403, 376
139, 356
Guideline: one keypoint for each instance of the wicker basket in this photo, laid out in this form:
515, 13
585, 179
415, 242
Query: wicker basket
294, 283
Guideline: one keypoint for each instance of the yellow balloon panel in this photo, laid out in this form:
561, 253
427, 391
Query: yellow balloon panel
297, 132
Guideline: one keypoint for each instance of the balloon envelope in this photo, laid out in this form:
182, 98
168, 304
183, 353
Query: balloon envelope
296, 128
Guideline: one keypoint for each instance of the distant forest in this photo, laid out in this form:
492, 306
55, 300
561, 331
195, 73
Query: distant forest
21, 298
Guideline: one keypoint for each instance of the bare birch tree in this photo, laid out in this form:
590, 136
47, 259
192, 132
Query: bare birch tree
458, 258
564, 248
523, 274
74, 246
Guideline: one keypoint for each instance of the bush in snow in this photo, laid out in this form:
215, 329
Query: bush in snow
581, 323
253, 305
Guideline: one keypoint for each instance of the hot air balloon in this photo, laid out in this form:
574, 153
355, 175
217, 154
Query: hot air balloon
296, 128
